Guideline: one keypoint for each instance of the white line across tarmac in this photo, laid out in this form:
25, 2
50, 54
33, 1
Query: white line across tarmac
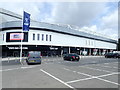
57, 79
17, 68
9, 69
92, 77
96, 69
109, 67
97, 77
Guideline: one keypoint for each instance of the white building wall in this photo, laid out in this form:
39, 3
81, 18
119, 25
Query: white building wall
59, 39
1, 38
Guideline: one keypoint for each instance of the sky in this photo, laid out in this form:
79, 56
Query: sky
100, 17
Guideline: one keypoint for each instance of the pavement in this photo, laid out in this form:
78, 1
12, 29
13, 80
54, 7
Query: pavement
54, 72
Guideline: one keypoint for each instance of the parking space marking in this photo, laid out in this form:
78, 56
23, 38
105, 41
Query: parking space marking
29, 67
109, 67
79, 80
106, 63
92, 77
108, 81
78, 72
24, 67
96, 69
57, 79
10, 69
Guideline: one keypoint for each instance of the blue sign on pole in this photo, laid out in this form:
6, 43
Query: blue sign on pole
26, 21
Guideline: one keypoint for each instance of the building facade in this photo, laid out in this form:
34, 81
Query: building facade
50, 39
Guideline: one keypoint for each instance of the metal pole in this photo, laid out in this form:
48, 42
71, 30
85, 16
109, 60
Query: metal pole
69, 50
21, 46
21, 51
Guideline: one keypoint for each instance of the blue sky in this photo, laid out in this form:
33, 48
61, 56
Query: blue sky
101, 17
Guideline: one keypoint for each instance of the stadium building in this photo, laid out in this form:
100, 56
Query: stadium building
50, 39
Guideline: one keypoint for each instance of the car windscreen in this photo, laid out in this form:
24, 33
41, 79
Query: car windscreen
109, 53
73, 55
34, 54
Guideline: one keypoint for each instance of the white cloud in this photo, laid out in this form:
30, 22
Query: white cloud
77, 13
81, 14
111, 20
109, 24
19, 7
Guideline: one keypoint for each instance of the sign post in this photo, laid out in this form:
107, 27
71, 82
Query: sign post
25, 27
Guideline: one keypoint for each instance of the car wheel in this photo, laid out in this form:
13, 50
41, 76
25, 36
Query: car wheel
40, 63
28, 63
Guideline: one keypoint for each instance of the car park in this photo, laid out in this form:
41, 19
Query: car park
34, 57
71, 57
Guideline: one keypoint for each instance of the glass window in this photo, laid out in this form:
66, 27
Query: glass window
50, 37
38, 36
33, 36
86, 42
89, 42
46, 37
42, 37
3, 37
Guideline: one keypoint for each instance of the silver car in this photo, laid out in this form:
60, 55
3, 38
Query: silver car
34, 57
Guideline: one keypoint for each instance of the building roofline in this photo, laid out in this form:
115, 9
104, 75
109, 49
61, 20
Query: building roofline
51, 30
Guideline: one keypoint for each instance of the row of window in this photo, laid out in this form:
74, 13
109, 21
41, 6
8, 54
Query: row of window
3, 37
42, 37
88, 42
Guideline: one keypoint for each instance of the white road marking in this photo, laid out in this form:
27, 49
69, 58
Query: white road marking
57, 79
108, 74
92, 77
28, 67
97, 69
78, 72
10, 69
108, 81
106, 63
79, 80
109, 67
17, 68
66, 69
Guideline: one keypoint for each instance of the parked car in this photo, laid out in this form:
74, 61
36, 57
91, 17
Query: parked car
117, 55
112, 55
71, 57
34, 57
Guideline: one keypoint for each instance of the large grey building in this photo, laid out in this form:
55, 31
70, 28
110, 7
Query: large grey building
50, 39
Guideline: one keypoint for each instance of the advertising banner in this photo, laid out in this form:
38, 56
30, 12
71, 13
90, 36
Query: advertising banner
26, 21
16, 36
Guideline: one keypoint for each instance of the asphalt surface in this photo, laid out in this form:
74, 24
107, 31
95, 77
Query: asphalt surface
54, 72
